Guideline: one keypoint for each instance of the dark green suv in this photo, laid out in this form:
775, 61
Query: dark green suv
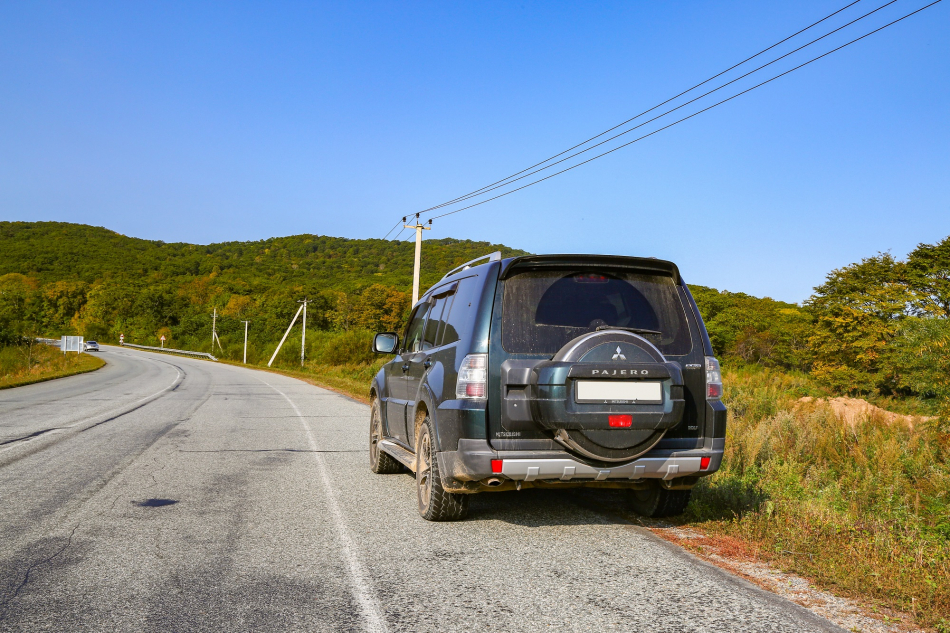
550, 371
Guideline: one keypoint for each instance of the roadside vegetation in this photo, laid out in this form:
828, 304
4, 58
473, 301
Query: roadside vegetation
25, 364
855, 498
859, 505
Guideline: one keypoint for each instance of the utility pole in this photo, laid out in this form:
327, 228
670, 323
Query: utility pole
303, 332
214, 331
245, 341
415, 269
281, 344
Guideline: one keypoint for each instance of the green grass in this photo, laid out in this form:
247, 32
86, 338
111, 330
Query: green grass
19, 365
863, 510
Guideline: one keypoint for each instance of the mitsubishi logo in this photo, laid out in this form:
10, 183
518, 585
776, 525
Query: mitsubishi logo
619, 355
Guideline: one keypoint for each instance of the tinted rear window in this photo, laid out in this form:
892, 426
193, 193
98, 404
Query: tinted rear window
544, 310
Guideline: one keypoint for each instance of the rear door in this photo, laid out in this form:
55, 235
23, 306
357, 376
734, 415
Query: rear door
397, 376
544, 314
420, 361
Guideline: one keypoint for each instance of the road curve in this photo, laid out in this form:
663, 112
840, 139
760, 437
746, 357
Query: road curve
170, 494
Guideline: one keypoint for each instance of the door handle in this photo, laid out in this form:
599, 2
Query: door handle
427, 364
405, 367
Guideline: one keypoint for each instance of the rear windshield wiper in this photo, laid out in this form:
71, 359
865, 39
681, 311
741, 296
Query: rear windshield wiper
637, 330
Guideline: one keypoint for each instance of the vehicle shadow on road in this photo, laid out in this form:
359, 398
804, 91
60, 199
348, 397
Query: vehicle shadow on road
541, 508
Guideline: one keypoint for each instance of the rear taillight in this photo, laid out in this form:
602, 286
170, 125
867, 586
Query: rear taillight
704, 463
496, 466
473, 377
620, 421
713, 379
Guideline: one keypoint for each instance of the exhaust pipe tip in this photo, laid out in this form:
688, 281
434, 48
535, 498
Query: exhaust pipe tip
492, 482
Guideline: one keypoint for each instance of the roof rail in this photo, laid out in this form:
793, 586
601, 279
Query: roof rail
491, 257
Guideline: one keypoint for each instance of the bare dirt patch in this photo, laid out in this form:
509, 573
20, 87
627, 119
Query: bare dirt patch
854, 411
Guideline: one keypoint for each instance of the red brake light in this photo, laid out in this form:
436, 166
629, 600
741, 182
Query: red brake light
475, 390
704, 463
620, 421
496, 465
591, 279
714, 390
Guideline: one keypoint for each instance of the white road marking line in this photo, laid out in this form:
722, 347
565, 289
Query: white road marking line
70, 426
362, 587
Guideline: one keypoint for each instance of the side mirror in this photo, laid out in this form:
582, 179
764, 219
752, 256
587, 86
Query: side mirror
385, 343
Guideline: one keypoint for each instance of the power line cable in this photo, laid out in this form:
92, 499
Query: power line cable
619, 125
691, 115
659, 116
391, 230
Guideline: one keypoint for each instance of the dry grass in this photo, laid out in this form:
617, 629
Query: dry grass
22, 366
861, 508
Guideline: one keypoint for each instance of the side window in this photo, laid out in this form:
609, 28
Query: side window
414, 331
432, 325
460, 317
445, 317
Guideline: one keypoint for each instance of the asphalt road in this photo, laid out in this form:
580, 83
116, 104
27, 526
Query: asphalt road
169, 494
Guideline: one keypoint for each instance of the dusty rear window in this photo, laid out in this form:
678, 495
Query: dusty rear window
542, 311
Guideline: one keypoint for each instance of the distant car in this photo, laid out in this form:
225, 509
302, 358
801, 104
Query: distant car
90, 346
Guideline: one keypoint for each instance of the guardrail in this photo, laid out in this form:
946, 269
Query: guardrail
168, 350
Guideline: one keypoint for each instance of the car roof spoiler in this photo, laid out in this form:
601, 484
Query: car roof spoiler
544, 262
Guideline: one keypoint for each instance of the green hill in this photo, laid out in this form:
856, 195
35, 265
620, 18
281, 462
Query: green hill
871, 327
59, 251
61, 278
65, 278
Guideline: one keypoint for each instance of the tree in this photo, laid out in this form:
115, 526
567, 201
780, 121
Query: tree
379, 308
920, 356
238, 306
754, 330
858, 311
928, 272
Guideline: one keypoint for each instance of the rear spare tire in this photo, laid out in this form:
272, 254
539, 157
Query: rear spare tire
609, 357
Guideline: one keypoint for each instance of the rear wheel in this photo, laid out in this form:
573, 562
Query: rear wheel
435, 503
380, 462
658, 502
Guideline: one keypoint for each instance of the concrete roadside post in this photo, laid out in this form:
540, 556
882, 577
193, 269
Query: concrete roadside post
245, 341
303, 333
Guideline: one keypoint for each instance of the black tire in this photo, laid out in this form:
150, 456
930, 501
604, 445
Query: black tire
380, 462
658, 502
435, 503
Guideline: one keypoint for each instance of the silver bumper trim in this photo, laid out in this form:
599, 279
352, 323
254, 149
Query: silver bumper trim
567, 469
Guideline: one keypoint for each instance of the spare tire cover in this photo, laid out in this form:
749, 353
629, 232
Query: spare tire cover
610, 347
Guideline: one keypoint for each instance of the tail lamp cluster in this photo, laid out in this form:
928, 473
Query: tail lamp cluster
713, 379
473, 378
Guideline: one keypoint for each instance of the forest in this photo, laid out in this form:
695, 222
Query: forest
59, 278
881, 325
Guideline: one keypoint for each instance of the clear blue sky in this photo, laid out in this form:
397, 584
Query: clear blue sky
207, 122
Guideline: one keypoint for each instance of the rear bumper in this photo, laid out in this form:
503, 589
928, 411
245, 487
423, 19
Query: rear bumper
473, 463
570, 469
